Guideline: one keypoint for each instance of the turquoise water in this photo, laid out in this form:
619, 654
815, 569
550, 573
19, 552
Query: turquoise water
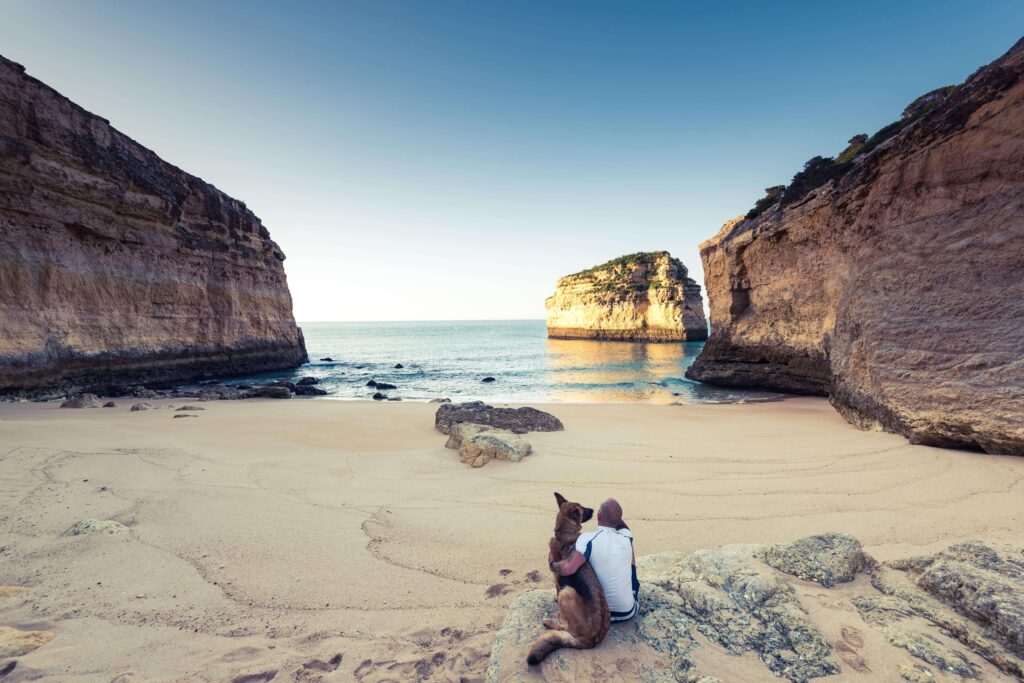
449, 359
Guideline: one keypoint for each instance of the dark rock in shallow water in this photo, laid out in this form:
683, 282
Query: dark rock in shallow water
82, 401
371, 383
398, 366
395, 398
327, 359
384, 386
284, 383
271, 391
243, 387
379, 397
306, 381
517, 420
488, 379
440, 400
306, 390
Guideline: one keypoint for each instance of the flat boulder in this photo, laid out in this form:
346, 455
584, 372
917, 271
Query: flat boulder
827, 559
82, 401
272, 391
384, 386
517, 420
493, 444
306, 381
307, 390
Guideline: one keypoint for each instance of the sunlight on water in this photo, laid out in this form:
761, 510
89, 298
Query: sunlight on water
450, 359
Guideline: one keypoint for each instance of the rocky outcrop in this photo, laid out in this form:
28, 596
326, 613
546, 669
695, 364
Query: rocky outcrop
645, 297
117, 267
479, 444
949, 616
516, 420
896, 286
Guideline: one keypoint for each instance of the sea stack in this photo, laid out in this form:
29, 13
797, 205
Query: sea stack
116, 266
891, 277
643, 297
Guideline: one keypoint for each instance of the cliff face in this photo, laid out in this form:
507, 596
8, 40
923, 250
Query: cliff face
116, 266
897, 289
640, 297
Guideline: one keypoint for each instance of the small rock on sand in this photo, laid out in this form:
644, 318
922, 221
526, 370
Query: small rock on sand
109, 404
186, 415
89, 526
191, 408
82, 401
15, 642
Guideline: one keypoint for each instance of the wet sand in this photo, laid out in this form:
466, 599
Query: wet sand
273, 536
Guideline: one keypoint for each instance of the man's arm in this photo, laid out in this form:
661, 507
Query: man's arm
569, 565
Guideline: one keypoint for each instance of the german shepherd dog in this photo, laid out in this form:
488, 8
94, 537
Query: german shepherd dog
583, 616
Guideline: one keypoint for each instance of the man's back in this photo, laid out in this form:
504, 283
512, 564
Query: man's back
610, 553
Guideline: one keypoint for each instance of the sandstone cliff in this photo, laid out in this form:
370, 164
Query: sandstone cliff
897, 288
117, 266
641, 297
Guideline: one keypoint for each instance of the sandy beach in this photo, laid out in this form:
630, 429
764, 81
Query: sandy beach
273, 536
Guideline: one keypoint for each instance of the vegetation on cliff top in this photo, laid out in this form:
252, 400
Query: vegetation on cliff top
626, 264
819, 170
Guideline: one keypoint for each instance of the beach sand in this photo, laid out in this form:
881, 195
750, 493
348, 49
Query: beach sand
273, 536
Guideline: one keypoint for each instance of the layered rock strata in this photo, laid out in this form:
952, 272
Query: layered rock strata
898, 288
749, 612
116, 266
646, 297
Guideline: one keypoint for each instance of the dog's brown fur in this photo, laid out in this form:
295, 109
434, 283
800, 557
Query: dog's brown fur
583, 616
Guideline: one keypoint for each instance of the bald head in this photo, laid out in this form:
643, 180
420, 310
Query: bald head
610, 513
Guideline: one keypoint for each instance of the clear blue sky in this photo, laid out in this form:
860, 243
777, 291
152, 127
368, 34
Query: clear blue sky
450, 160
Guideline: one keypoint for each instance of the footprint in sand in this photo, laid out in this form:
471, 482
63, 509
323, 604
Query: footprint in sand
326, 667
851, 641
256, 677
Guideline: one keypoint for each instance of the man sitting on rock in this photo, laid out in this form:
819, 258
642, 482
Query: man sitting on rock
610, 552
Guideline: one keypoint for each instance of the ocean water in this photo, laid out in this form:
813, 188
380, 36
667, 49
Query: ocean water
449, 359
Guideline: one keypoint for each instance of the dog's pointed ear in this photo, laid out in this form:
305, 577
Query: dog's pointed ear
559, 498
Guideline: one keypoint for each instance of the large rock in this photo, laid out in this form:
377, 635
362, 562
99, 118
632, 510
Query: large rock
640, 297
725, 615
82, 401
517, 420
827, 559
896, 287
271, 391
460, 431
489, 444
116, 266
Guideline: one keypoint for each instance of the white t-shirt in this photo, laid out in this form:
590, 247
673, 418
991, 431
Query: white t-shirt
611, 556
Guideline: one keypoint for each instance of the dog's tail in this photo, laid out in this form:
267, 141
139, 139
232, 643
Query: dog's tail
548, 643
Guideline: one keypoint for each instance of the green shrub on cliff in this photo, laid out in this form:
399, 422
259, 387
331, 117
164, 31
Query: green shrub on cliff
819, 170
